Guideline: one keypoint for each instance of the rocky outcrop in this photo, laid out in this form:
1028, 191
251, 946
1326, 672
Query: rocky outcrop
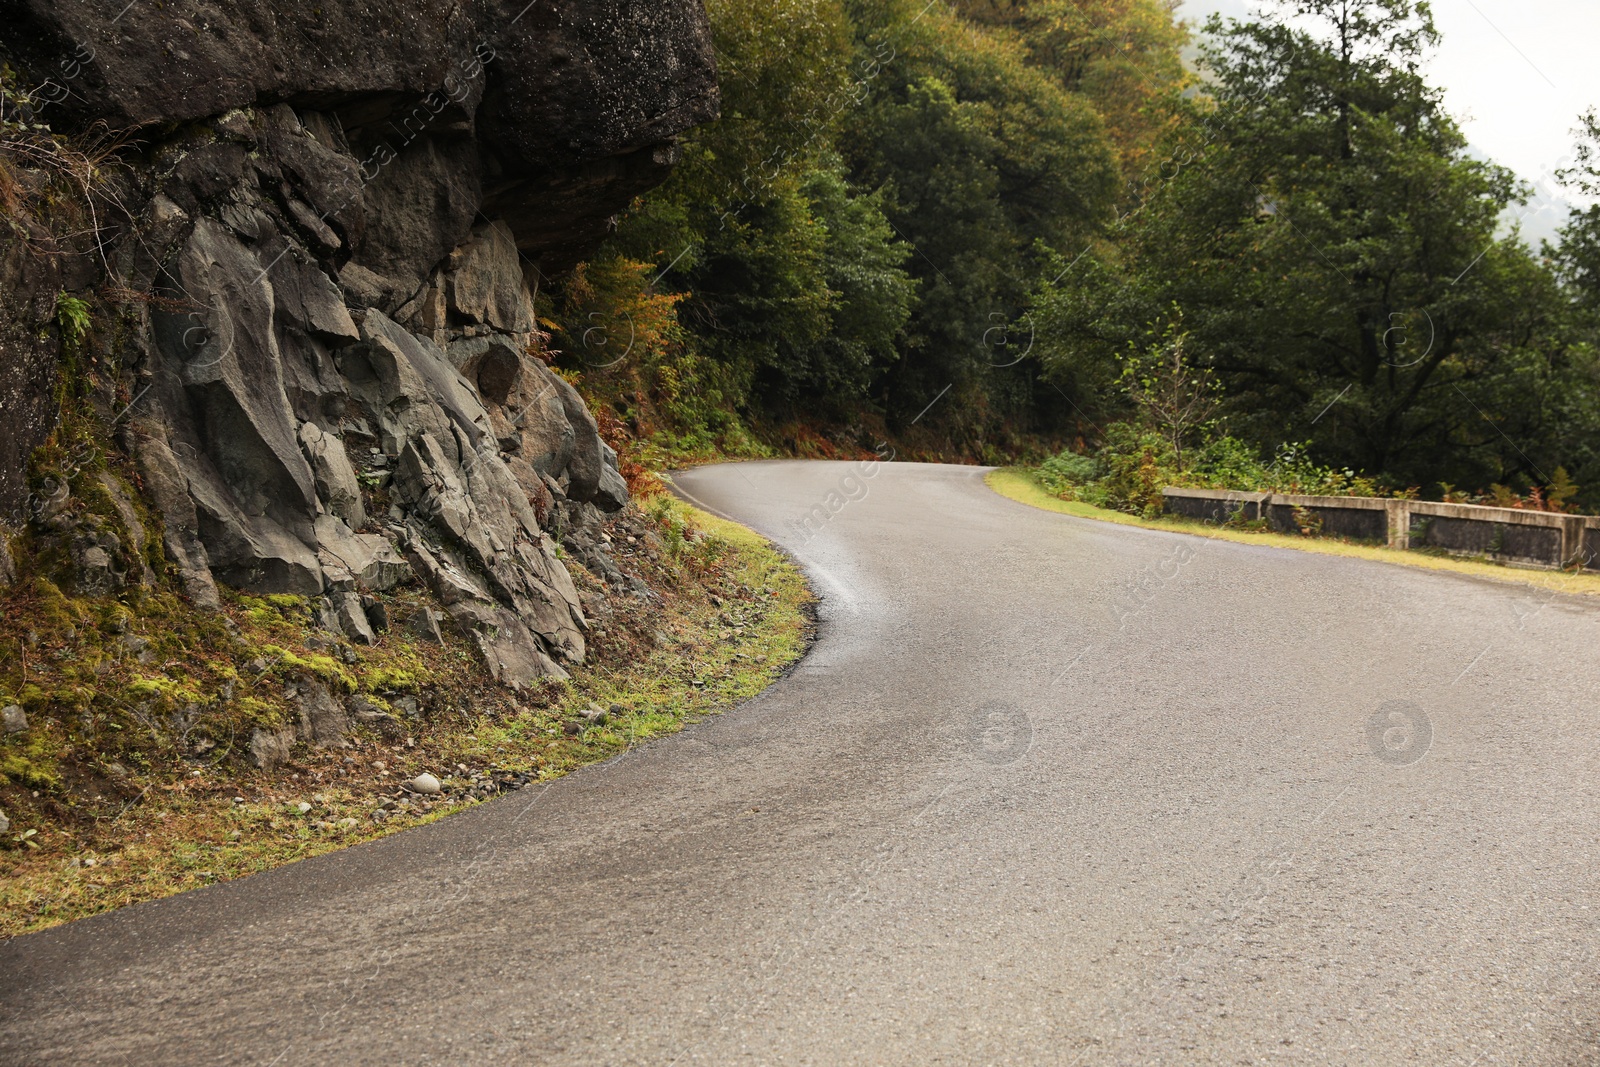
336, 382
565, 110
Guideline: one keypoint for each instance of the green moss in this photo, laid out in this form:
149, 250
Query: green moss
34, 766
165, 688
322, 667
403, 677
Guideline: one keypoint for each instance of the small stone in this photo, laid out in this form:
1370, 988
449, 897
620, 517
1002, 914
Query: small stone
595, 716
270, 748
302, 807
238, 800
617, 709
377, 614
353, 618
426, 784
5, 823
15, 719
349, 824
425, 624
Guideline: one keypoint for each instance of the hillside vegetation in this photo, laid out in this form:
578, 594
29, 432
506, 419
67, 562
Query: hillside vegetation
994, 229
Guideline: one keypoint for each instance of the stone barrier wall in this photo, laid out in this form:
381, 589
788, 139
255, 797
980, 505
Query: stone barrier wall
1510, 535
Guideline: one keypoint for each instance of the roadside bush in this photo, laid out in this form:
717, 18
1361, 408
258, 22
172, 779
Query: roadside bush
1133, 465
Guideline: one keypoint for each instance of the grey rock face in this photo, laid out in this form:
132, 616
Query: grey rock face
169, 492
486, 281
338, 382
352, 618
289, 395
360, 561
28, 357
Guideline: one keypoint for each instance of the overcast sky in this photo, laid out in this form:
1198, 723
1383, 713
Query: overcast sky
1516, 74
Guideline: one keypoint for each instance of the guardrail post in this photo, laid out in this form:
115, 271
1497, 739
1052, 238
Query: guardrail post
1572, 540
1399, 523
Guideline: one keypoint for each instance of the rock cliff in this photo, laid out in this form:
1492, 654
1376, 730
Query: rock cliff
333, 218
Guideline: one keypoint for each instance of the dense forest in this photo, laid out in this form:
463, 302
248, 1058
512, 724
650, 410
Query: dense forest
1002, 228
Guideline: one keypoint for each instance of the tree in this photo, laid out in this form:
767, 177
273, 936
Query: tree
1333, 252
1123, 56
1174, 398
1577, 253
981, 156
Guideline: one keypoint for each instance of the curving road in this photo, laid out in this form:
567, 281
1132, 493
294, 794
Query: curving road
1046, 791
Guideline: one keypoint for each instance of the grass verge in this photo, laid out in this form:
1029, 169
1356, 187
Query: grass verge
93, 828
1019, 484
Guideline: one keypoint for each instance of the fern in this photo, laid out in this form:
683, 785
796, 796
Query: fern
72, 316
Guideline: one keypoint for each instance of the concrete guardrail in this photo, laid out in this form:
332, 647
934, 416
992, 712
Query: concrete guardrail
1511, 535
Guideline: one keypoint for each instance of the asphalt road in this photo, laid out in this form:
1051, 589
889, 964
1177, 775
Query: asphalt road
1047, 791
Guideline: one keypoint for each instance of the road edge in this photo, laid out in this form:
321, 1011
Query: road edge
1017, 485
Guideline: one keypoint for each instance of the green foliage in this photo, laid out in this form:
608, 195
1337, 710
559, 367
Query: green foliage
1031, 212
986, 158
1134, 465
1332, 250
1069, 471
1173, 397
1123, 56
858, 233
1561, 491
72, 317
